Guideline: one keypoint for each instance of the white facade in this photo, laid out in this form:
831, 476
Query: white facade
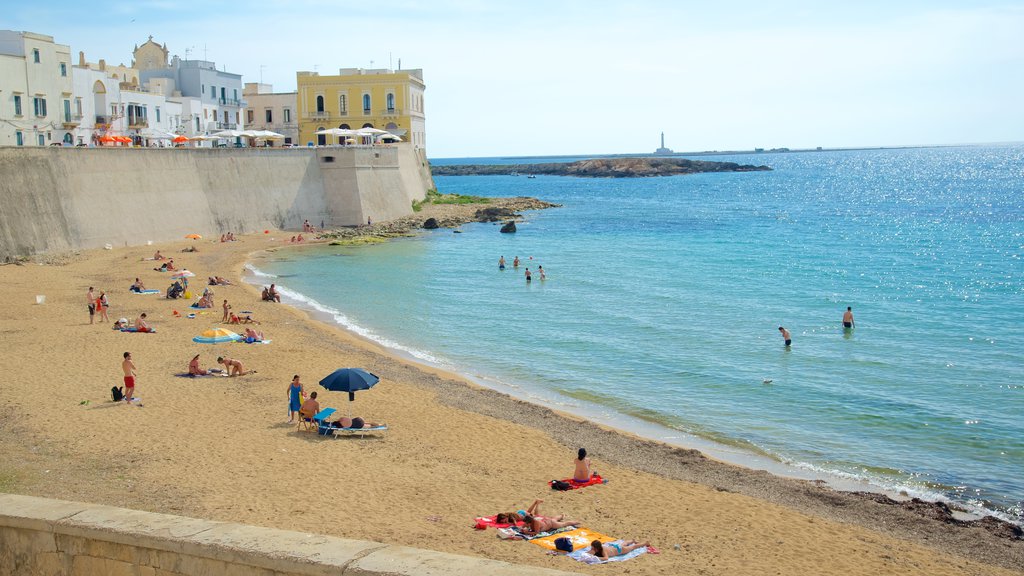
267, 110
36, 104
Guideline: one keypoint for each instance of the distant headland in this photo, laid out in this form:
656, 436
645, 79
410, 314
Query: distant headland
600, 168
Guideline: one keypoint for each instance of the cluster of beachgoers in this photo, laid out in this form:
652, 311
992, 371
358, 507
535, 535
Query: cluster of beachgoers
457, 456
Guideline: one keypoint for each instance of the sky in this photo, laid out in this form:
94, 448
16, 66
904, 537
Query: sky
598, 77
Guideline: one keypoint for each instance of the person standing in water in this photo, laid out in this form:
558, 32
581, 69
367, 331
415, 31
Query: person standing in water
785, 335
540, 270
848, 318
529, 277
501, 263
515, 262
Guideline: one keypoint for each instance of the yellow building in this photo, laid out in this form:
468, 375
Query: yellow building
357, 98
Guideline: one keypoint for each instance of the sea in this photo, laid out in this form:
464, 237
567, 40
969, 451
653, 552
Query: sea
663, 298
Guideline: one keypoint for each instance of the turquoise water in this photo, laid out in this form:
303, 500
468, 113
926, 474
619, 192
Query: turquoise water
664, 297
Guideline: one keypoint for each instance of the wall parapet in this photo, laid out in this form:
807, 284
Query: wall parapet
44, 536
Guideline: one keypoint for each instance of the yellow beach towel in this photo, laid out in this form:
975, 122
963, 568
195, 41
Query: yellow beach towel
581, 538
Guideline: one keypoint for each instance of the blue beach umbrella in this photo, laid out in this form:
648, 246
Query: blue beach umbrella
349, 380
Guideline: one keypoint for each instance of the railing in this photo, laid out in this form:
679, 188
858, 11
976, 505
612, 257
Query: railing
343, 113
102, 120
390, 112
319, 115
226, 126
231, 102
138, 123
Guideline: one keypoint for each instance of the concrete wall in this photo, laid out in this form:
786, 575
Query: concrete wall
59, 538
57, 199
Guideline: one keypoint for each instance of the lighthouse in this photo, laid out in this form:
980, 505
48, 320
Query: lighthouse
663, 150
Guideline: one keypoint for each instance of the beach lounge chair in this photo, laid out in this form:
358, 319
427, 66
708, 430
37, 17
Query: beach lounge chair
338, 432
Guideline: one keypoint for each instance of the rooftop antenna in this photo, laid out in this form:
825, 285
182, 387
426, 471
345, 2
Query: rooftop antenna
262, 66
204, 52
390, 63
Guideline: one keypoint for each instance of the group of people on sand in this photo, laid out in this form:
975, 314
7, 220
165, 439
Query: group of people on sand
232, 367
270, 294
848, 324
531, 522
306, 408
229, 237
298, 238
529, 275
97, 304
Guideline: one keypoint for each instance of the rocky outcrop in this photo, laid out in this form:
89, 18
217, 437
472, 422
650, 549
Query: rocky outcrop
509, 227
494, 214
601, 168
431, 224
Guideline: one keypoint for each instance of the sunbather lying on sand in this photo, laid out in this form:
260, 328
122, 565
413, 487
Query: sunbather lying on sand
519, 515
354, 423
537, 524
613, 549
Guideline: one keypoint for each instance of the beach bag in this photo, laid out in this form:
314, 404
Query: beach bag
564, 544
116, 394
560, 485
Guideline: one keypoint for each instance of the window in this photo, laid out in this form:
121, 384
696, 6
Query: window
319, 103
366, 103
343, 104
67, 110
223, 98
391, 102
158, 114
17, 104
225, 116
19, 138
213, 92
268, 115
78, 107
197, 124
249, 115
321, 139
35, 55
39, 106
63, 69
287, 115
236, 94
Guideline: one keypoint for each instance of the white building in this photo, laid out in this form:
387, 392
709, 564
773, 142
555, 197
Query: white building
35, 91
267, 110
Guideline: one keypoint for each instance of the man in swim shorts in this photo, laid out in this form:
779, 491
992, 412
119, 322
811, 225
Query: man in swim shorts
129, 376
848, 318
92, 305
785, 335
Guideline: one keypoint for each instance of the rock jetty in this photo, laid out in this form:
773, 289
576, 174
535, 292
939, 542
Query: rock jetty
600, 168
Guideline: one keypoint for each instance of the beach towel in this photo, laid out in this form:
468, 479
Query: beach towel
136, 330
251, 341
581, 537
516, 533
584, 555
150, 291
575, 484
485, 522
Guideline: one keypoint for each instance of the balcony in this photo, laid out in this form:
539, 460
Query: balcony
71, 121
320, 115
138, 123
102, 120
231, 102
226, 126
390, 112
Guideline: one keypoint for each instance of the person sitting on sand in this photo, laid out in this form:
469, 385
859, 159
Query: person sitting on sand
292, 240
170, 265
355, 423
158, 256
274, 294
537, 524
582, 471
190, 249
265, 295
194, 369
253, 335
141, 325
299, 238
233, 367
204, 302
138, 286
162, 268
616, 548
221, 281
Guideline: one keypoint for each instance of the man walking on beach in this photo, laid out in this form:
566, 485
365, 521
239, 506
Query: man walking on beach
92, 305
129, 376
785, 335
848, 318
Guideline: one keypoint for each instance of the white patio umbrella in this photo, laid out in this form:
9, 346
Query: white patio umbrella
269, 135
389, 136
371, 131
154, 134
228, 134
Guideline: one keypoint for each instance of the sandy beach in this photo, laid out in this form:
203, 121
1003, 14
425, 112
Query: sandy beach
221, 448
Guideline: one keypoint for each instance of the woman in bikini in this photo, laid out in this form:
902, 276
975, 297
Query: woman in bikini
616, 548
582, 472
537, 524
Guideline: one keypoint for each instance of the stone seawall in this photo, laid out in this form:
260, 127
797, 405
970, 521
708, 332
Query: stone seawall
43, 536
59, 199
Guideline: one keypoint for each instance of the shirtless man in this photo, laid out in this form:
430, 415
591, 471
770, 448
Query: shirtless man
92, 305
141, 325
785, 335
273, 293
501, 263
234, 367
529, 276
129, 376
138, 286
158, 256
848, 318
515, 262
310, 407
226, 313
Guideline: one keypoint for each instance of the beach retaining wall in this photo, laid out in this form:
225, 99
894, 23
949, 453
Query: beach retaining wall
59, 199
55, 537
